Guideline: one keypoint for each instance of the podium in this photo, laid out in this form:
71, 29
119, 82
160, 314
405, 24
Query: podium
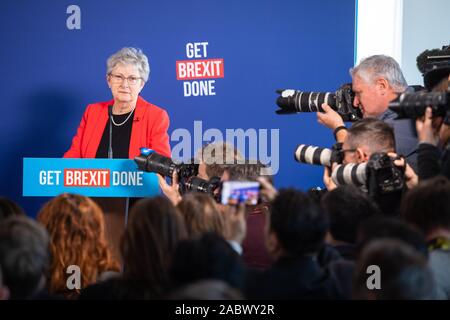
111, 183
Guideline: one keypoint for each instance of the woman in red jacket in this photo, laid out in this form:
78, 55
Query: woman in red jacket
135, 122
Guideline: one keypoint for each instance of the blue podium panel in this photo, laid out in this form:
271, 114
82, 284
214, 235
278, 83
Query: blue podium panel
89, 177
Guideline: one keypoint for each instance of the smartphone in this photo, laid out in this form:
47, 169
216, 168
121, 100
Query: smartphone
235, 192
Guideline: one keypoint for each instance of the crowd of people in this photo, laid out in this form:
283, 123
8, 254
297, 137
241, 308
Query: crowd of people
338, 244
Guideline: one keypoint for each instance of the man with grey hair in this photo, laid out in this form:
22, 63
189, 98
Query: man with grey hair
376, 81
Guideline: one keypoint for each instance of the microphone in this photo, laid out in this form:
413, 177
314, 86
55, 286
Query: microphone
110, 150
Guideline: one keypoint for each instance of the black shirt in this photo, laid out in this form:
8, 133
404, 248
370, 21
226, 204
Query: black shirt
433, 161
120, 137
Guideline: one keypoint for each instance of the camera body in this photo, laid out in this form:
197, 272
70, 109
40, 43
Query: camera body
383, 176
295, 101
150, 161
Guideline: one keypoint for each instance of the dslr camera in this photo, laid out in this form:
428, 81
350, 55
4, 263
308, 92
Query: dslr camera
151, 161
295, 101
413, 105
377, 176
435, 66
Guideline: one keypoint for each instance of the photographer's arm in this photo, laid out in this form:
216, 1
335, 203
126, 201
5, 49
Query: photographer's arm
411, 177
171, 191
331, 119
427, 129
234, 217
268, 191
329, 184
428, 153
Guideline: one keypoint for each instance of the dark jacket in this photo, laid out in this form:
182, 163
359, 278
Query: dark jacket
293, 278
432, 162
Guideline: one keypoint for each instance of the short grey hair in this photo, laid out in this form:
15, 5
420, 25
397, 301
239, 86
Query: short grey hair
381, 66
131, 56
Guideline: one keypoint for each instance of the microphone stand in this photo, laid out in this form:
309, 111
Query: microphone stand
110, 156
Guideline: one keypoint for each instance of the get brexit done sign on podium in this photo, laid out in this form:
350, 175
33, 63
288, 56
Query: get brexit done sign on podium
44, 177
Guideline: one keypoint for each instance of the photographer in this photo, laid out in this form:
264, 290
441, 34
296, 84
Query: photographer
364, 138
376, 81
255, 254
434, 132
216, 161
213, 158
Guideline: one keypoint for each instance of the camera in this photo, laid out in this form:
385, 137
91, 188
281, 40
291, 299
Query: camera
294, 101
434, 65
413, 105
378, 176
319, 156
150, 161
196, 184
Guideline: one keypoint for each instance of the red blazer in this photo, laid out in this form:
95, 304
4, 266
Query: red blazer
150, 124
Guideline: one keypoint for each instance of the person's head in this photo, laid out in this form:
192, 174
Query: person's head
427, 206
434, 65
366, 137
215, 158
24, 256
9, 208
200, 214
153, 231
206, 257
76, 227
297, 225
127, 72
377, 227
391, 270
376, 81
347, 207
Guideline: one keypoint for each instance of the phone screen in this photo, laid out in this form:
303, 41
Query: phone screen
235, 192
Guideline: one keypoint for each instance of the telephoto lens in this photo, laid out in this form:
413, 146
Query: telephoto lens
150, 161
351, 173
317, 155
196, 184
293, 101
413, 105
377, 176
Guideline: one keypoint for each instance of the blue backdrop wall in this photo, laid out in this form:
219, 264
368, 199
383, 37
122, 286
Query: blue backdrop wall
50, 72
